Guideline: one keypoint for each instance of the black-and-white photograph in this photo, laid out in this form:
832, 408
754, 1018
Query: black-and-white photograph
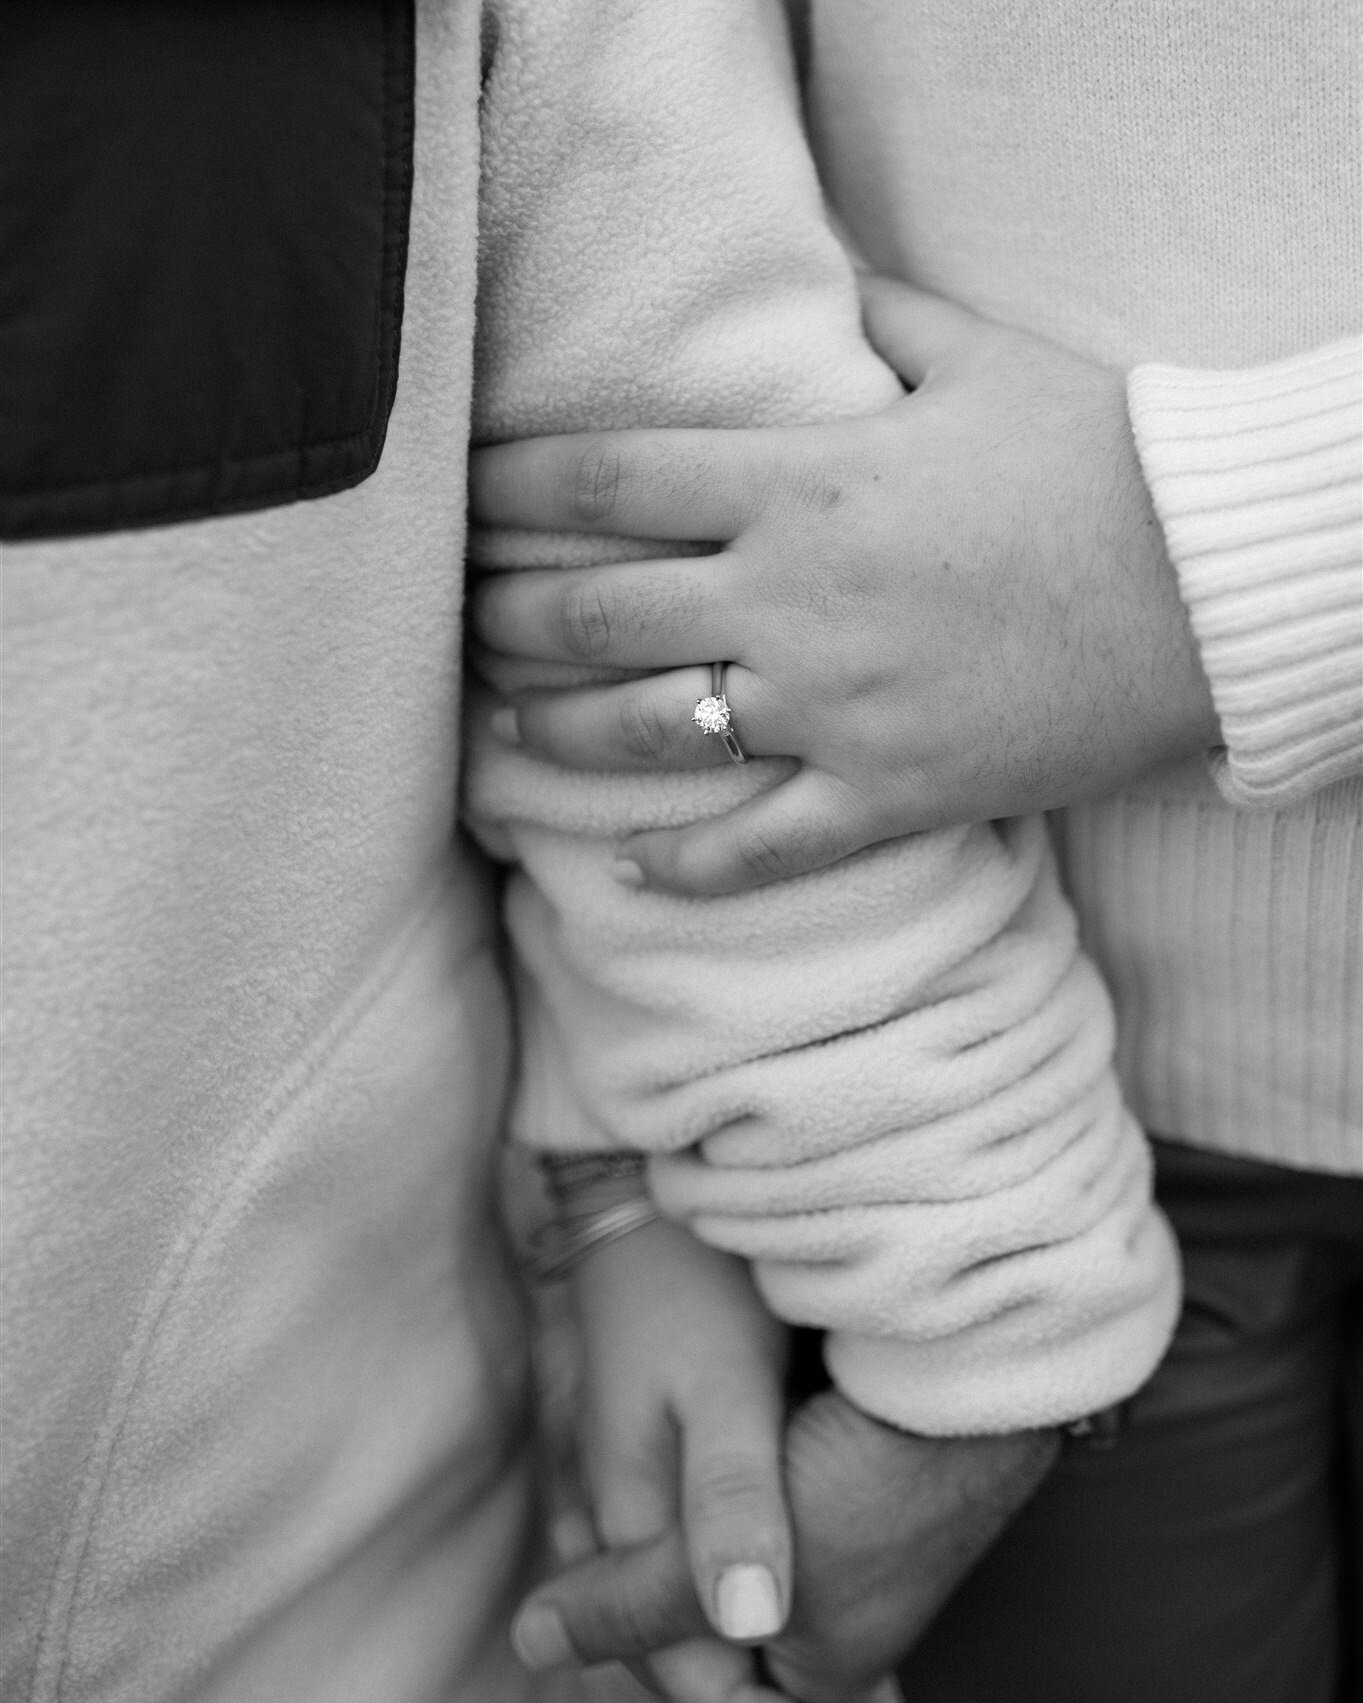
681, 714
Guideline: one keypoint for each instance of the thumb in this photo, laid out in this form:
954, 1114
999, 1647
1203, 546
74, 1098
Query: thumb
912, 330
801, 825
622, 1604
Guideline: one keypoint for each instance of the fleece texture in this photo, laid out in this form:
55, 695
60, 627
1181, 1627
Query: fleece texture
889, 1084
1176, 190
264, 1396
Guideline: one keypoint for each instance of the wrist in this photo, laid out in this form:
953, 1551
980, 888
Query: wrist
1194, 726
585, 1182
1180, 704
598, 1199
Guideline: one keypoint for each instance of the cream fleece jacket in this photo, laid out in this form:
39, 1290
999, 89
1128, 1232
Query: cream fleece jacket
1176, 190
265, 1398
889, 1084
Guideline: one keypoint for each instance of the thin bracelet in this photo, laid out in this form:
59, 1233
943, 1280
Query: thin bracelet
567, 1173
561, 1244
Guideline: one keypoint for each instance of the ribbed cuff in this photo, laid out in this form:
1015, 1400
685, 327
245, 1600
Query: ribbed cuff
1256, 478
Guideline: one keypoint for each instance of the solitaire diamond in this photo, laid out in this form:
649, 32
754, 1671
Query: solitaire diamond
711, 715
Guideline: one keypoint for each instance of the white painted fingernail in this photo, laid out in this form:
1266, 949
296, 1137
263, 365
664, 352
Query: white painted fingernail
747, 1603
539, 1639
506, 726
627, 873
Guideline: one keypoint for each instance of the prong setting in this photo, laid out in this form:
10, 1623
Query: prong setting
712, 715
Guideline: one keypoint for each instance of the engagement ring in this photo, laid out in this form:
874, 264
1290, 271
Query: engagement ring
713, 715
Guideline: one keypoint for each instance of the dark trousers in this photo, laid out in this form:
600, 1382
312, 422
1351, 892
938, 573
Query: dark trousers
1212, 1555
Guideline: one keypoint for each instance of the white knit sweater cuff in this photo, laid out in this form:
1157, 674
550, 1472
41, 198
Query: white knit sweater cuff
1256, 478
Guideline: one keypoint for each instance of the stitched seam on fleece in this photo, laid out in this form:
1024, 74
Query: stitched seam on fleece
53, 1648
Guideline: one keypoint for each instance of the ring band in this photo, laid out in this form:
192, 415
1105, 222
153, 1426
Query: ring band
713, 715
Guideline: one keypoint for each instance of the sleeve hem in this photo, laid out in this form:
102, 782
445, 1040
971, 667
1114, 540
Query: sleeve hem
1255, 476
938, 1388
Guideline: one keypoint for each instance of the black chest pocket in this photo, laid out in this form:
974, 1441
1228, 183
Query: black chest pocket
203, 235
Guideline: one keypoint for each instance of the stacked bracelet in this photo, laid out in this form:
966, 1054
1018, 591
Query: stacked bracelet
562, 1243
568, 1175
598, 1198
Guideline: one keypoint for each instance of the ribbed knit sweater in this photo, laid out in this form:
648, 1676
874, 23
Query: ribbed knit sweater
1173, 188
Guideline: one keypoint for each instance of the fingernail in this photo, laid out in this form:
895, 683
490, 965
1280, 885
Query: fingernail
506, 726
628, 873
747, 1603
538, 1637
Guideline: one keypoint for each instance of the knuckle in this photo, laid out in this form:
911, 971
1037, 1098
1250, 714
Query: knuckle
594, 482
643, 732
822, 838
639, 1627
732, 1491
817, 489
586, 619
764, 853
625, 1622
821, 481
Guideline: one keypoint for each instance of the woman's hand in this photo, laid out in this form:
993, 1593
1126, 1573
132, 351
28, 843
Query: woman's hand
681, 1429
959, 609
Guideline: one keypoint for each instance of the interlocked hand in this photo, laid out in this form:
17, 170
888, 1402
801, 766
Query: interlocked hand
886, 1525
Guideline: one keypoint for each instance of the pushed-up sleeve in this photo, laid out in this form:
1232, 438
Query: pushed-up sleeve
1257, 477
889, 1083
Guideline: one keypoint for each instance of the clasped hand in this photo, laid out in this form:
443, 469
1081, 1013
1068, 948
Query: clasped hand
696, 1483
958, 609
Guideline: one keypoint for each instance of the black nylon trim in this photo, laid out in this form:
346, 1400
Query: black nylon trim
239, 475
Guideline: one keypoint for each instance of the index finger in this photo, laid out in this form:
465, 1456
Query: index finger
700, 486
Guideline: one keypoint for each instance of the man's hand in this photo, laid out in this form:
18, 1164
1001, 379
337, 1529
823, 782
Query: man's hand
886, 1525
959, 609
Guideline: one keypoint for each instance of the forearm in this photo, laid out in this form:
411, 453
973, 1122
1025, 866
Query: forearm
958, 1196
889, 1085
